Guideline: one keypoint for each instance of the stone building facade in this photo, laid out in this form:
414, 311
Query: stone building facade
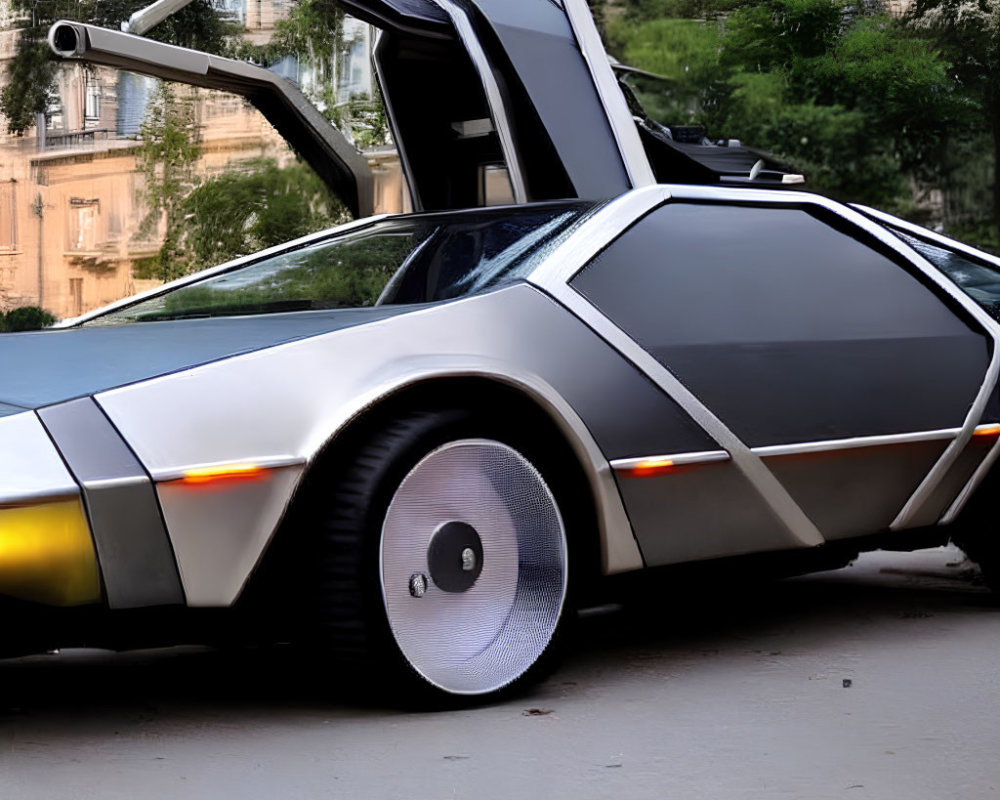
71, 197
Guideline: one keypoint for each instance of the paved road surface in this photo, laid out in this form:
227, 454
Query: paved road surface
878, 681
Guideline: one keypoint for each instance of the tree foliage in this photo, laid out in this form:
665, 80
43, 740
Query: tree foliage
313, 33
25, 318
968, 34
257, 206
166, 160
853, 98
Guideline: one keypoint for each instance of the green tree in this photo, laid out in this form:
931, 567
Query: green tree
851, 98
968, 34
166, 159
313, 32
258, 206
31, 73
686, 54
25, 318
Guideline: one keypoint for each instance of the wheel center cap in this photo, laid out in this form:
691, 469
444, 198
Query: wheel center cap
455, 557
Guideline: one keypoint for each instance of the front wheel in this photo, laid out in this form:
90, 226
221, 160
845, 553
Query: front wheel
454, 542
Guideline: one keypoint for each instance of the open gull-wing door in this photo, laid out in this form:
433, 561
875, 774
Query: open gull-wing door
327, 151
480, 94
522, 86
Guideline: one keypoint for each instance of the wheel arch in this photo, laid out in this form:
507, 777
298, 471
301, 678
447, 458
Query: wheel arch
603, 539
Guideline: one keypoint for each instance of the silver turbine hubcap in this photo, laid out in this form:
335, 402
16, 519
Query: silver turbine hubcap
481, 633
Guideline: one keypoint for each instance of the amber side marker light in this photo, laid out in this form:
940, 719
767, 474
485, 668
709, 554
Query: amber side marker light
47, 554
650, 467
224, 472
987, 430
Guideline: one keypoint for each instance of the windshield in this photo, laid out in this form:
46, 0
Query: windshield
418, 259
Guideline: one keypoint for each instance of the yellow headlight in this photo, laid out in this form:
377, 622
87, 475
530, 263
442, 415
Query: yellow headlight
47, 554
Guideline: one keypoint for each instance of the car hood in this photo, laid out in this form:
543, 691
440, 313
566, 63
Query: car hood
45, 367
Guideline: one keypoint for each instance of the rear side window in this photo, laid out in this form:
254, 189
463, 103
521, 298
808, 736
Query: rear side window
788, 325
978, 279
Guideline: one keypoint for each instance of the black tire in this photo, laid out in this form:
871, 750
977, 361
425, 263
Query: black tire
442, 562
984, 549
977, 531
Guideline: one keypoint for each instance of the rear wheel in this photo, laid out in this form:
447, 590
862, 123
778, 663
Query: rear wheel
977, 532
444, 557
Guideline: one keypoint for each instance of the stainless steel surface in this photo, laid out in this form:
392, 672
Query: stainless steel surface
482, 638
678, 459
619, 117
152, 15
944, 494
855, 491
857, 442
498, 108
220, 530
268, 462
708, 511
135, 557
30, 466
314, 387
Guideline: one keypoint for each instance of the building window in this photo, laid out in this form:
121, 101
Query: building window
8, 215
83, 223
76, 296
92, 100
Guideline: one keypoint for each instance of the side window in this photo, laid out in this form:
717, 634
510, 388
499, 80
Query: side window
788, 328
978, 279
350, 271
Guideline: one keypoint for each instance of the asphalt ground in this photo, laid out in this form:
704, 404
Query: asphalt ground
881, 680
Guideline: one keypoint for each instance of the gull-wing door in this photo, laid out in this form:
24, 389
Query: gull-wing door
516, 95
488, 100
327, 151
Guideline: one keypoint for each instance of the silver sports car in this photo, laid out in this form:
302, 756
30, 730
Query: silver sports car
416, 442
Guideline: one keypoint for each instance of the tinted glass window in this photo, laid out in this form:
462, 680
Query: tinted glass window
478, 255
787, 327
978, 279
708, 273
433, 257
348, 272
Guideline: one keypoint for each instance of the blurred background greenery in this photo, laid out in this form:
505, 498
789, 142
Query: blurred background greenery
891, 103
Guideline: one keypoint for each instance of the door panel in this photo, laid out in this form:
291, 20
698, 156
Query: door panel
791, 328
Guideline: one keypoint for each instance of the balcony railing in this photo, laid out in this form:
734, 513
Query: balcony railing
55, 140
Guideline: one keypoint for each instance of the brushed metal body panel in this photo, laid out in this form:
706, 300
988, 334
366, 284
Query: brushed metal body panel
135, 558
307, 390
220, 530
692, 513
947, 491
30, 466
858, 490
